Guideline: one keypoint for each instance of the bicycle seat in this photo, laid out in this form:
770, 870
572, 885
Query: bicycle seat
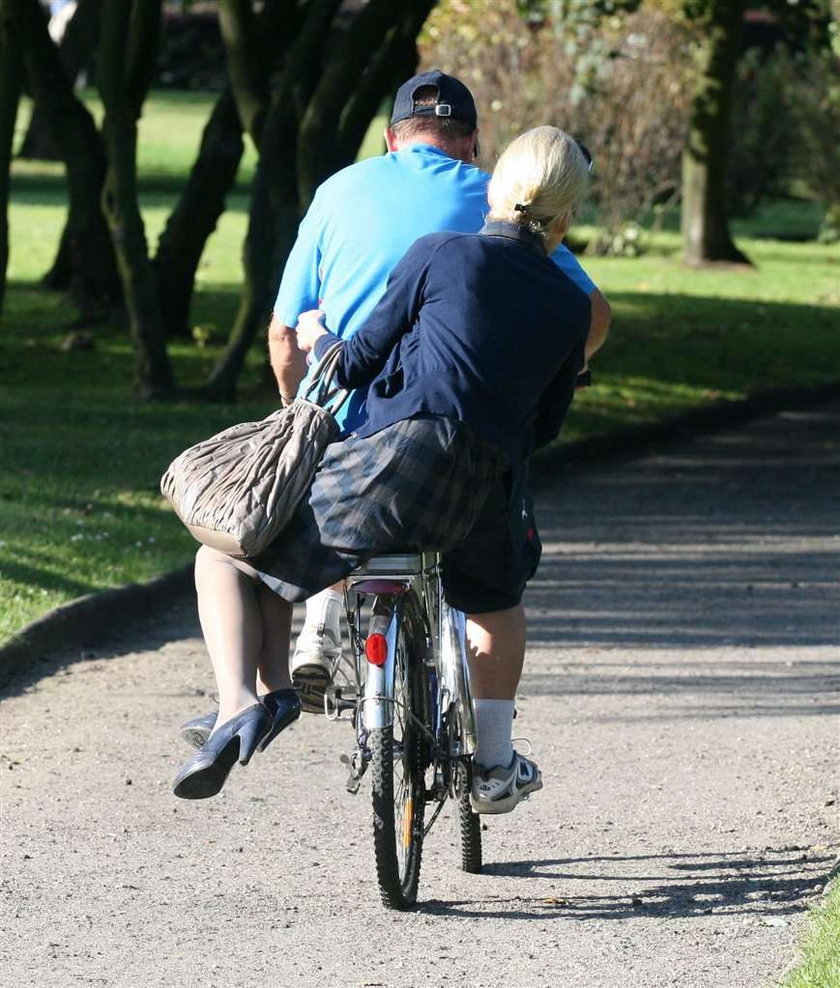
396, 564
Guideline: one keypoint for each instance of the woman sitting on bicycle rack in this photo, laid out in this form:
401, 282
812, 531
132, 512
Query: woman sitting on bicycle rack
471, 358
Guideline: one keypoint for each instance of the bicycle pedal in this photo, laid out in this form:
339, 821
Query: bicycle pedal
357, 766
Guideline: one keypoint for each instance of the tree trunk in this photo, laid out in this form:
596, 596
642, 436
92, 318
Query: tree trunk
253, 43
120, 93
323, 114
38, 144
356, 78
394, 62
274, 212
10, 83
76, 49
194, 218
85, 264
704, 220
246, 63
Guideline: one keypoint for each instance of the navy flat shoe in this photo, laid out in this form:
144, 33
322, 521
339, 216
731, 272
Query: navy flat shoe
205, 773
283, 705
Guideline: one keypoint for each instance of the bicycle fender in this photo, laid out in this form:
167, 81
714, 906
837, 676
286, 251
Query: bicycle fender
378, 699
455, 672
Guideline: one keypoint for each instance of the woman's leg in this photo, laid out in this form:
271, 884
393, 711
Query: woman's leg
230, 607
276, 620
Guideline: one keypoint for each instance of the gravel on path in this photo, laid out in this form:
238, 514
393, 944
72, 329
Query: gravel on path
681, 690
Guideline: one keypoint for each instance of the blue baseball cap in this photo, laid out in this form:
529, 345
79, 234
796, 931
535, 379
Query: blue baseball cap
453, 99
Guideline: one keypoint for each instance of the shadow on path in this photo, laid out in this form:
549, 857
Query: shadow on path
669, 886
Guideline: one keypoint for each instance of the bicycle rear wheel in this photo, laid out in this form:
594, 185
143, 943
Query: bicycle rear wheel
398, 760
467, 822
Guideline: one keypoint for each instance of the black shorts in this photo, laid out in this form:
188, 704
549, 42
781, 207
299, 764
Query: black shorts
489, 569
419, 483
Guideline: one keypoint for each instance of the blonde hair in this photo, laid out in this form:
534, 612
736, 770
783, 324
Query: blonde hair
540, 177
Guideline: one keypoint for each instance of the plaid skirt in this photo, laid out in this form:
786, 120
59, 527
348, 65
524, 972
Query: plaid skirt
417, 484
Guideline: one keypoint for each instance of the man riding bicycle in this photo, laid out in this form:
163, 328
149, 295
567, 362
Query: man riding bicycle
463, 386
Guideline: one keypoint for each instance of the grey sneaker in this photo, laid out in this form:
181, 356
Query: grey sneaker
316, 658
499, 789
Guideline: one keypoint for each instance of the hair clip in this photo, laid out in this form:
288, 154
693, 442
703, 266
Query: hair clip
519, 208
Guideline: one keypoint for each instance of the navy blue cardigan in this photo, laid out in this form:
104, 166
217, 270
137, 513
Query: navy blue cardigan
482, 328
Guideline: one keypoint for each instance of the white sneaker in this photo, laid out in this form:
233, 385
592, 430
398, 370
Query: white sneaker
499, 789
318, 651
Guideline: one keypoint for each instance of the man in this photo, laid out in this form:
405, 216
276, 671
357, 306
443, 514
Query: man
361, 222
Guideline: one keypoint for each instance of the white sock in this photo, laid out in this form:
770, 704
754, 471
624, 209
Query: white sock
324, 611
493, 726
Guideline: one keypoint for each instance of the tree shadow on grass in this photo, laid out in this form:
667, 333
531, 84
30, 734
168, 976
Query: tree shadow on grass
22, 573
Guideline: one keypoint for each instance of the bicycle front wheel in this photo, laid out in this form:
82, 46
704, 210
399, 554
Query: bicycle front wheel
398, 759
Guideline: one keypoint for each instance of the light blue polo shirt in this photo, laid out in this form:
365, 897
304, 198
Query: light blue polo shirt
361, 222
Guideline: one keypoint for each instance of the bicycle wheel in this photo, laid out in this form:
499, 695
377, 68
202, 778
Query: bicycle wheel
398, 759
467, 822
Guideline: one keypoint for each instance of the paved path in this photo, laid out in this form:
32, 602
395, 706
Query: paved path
681, 690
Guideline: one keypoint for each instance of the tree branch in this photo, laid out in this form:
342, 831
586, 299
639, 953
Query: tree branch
246, 67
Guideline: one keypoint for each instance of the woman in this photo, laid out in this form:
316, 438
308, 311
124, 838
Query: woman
470, 357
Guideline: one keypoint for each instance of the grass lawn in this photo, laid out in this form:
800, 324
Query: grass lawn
819, 966
81, 458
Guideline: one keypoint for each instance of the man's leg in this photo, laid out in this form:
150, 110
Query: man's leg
484, 577
496, 644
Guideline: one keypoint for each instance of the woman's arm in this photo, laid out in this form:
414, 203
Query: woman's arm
365, 353
555, 400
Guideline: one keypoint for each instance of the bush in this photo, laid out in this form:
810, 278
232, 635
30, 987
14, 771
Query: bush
619, 86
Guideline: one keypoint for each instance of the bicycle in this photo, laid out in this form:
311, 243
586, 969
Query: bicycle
407, 694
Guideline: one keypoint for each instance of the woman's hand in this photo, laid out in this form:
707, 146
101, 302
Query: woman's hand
310, 326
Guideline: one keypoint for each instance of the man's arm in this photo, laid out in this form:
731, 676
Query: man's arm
288, 361
600, 307
599, 325
300, 290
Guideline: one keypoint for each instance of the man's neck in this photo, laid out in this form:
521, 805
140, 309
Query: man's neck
449, 151
404, 145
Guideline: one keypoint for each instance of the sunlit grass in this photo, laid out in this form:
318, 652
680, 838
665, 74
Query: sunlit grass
819, 964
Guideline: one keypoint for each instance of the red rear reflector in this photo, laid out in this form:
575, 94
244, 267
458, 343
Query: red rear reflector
376, 649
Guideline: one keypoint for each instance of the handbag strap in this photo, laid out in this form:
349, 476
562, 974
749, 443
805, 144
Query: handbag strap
322, 389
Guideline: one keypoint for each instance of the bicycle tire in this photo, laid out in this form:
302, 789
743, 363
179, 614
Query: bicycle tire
468, 823
401, 750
